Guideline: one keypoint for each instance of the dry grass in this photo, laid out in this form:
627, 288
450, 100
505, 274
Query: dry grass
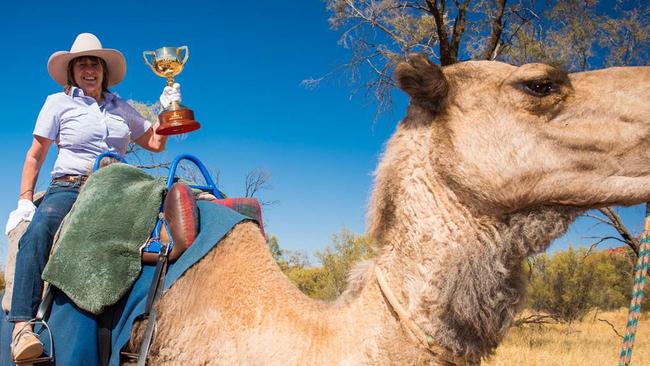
591, 342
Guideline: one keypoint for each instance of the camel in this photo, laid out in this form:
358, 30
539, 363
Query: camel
491, 163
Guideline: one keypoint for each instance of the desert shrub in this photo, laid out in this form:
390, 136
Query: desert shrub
570, 283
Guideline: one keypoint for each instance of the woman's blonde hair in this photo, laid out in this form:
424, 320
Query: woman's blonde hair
71, 64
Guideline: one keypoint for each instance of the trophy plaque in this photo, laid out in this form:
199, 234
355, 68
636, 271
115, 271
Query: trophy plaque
167, 62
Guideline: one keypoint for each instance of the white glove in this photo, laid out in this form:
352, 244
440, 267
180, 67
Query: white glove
25, 211
170, 94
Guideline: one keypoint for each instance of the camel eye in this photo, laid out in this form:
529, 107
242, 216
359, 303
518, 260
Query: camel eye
540, 88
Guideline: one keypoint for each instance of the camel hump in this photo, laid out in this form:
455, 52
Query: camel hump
423, 81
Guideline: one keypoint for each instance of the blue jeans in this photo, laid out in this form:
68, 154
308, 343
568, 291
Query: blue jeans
34, 249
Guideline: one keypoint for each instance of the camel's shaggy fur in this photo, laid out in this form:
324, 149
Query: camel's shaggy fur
490, 164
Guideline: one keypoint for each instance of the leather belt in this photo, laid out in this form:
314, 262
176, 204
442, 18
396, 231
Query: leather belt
71, 178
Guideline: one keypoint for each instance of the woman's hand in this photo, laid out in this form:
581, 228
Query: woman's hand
150, 140
170, 94
24, 212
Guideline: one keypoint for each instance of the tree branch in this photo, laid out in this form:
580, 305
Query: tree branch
459, 29
611, 326
375, 23
164, 165
514, 34
537, 319
617, 223
445, 55
600, 241
255, 181
495, 34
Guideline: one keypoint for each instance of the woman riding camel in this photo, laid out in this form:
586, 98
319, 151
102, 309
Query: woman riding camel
83, 120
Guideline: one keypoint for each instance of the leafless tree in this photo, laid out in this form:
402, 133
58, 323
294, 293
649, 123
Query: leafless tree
258, 180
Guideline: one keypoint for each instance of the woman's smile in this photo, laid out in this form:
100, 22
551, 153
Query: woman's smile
88, 76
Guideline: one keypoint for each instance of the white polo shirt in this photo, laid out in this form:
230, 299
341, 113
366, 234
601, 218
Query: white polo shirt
83, 129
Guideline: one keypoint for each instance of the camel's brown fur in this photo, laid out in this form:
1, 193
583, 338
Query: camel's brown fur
480, 174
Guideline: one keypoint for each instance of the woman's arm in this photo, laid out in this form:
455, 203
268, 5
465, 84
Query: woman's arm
151, 141
33, 162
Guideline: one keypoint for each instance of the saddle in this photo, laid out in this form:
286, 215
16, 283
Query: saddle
181, 217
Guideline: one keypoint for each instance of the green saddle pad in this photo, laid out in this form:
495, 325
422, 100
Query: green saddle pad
97, 257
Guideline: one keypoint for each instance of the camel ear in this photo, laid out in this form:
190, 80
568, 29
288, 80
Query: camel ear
423, 81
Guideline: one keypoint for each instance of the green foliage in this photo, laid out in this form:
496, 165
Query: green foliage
274, 247
567, 284
614, 276
297, 268
328, 281
570, 283
580, 35
286, 259
309, 280
337, 260
561, 285
623, 280
2, 281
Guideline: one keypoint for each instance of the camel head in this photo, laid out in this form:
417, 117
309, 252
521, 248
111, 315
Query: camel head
508, 138
491, 163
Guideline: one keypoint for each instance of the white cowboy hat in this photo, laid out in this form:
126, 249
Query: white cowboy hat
87, 44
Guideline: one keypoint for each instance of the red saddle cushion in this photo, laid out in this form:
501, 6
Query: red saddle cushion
246, 206
182, 215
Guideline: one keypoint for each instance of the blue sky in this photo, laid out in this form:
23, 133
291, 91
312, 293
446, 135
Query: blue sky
243, 82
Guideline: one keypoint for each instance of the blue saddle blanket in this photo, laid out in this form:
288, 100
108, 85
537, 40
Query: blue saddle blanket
74, 330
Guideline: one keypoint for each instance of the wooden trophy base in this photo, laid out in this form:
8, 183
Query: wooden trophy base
177, 121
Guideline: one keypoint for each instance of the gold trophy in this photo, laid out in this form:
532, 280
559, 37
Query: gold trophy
167, 62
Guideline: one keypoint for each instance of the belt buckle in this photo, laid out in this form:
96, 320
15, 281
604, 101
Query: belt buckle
69, 178
74, 179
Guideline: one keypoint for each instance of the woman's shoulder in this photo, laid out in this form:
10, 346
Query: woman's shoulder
56, 102
58, 96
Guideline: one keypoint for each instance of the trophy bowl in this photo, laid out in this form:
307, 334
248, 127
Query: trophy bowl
167, 62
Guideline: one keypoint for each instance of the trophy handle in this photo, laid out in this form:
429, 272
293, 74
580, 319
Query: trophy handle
146, 60
187, 53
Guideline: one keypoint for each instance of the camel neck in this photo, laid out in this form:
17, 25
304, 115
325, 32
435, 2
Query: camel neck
459, 274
